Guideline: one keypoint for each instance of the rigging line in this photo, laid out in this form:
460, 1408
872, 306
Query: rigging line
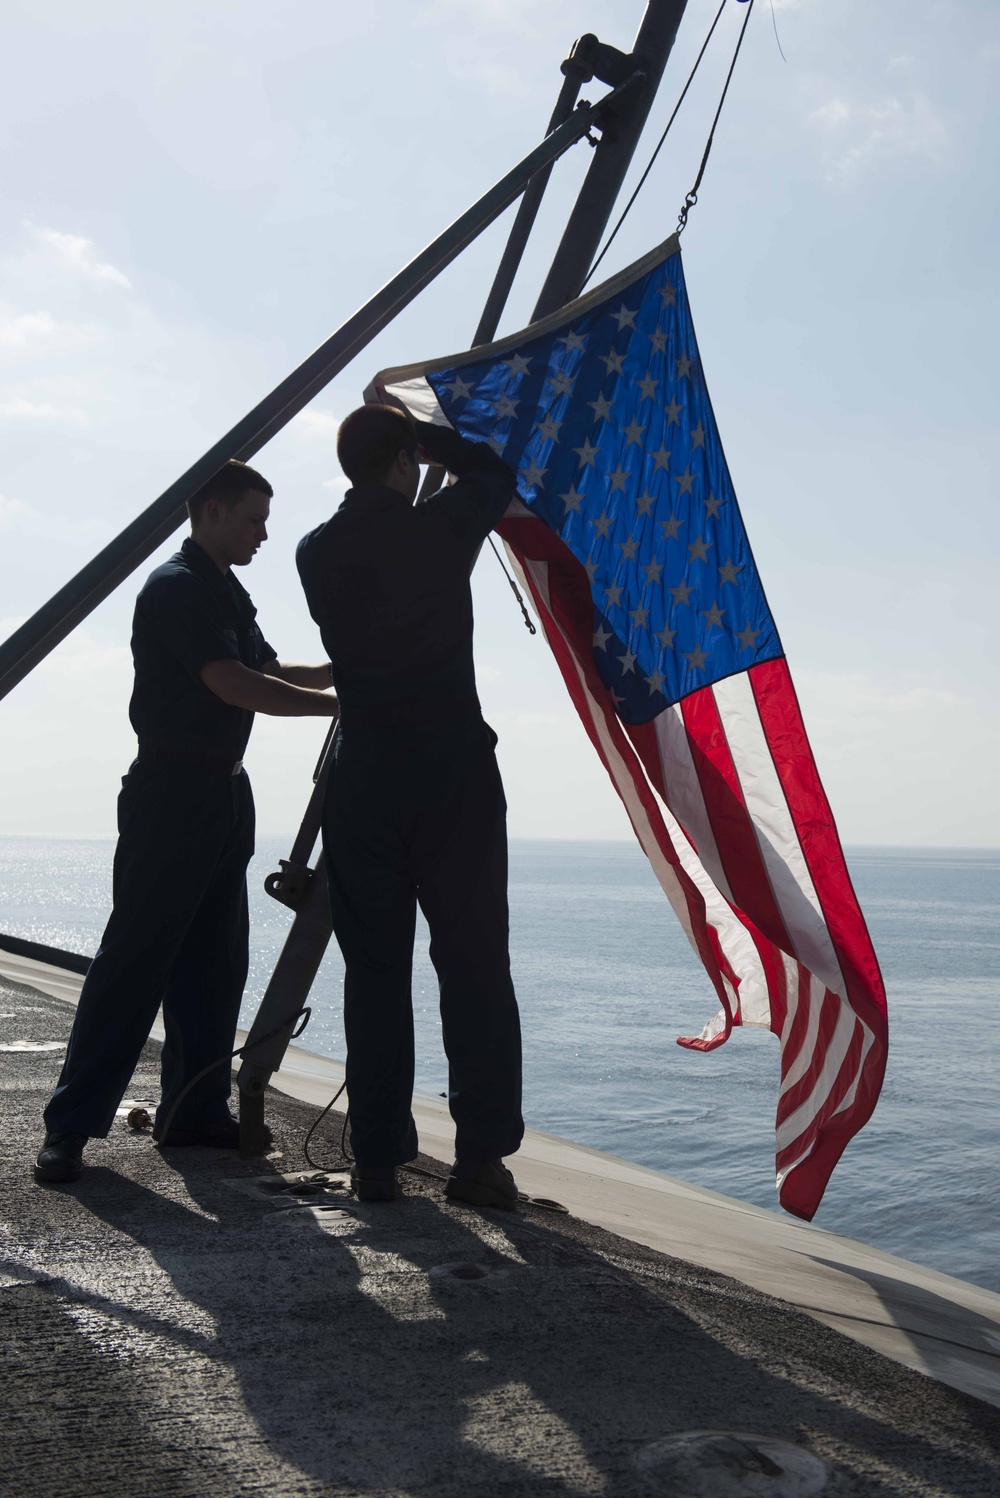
543, 1203
642, 180
304, 1014
315, 1125
777, 38
529, 626
692, 197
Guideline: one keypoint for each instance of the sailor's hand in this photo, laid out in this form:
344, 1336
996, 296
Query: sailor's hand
377, 395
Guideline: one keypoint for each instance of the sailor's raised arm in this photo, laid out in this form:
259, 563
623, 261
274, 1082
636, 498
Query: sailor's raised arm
486, 484
446, 447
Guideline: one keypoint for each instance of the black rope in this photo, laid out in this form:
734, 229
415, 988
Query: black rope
304, 1014
628, 206
692, 196
346, 1158
529, 626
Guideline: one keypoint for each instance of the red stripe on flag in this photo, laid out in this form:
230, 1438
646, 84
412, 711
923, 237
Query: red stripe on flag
838, 1089
830, 1008
647, 745
569, 631
796, 1037
785, 732
731, 825
567, 619
826, 1138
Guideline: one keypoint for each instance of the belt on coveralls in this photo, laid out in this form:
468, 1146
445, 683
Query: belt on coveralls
193, 759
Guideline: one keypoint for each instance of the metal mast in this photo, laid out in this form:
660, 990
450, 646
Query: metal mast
581, 237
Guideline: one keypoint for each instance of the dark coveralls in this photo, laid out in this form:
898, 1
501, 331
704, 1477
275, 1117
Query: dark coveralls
179, 927
414, 808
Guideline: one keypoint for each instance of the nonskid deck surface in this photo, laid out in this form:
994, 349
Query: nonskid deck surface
177, 1324
929, 1321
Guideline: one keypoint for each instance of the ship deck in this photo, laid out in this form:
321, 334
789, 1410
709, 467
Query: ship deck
178, 1323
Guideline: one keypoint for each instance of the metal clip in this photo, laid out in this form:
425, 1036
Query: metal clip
290, 885
689, 203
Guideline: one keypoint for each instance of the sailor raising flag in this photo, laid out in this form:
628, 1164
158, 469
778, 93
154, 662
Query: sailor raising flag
627, 534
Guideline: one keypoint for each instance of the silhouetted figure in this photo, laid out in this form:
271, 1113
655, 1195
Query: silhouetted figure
178, 932
414, 808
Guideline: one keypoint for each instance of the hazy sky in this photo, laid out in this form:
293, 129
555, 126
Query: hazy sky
196, 194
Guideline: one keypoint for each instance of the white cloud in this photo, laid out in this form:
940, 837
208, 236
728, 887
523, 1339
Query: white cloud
832, 114
25, 521
496, 69
339, 485
67, 737
17, 329
77, 254
85, 660
904, 761
312, 424
104, 366
11, 510
19, 408
35, 333
874, 133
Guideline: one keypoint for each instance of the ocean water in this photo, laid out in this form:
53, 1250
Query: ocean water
606, 983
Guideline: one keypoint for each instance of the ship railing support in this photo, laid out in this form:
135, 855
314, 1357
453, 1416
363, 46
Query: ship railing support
304, 889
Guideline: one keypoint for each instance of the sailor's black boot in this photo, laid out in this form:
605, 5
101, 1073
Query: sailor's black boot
482, 1183
60, 1157
374, 1184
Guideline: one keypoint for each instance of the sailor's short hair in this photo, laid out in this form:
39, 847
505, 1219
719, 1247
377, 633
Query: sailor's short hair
369, 440
231, 484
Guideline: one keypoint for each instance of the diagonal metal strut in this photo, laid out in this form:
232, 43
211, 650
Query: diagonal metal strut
33, 641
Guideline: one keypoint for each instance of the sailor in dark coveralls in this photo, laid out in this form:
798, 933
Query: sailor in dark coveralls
414, 809
178, 931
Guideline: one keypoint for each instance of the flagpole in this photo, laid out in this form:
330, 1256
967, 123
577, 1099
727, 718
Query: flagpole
589, 218
575, 74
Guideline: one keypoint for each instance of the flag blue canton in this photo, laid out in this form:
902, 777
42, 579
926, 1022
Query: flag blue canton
609, 425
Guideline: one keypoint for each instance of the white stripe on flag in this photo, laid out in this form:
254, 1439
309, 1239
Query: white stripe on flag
782, 1175
684, 793
791, 995
417, 395
751, 1001
852, 1091
777, 839
638, 815
797, 1123
800, 1064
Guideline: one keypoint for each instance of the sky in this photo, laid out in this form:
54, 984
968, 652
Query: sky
196, 195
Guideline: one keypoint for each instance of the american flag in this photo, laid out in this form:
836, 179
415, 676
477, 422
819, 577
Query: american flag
627, 535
